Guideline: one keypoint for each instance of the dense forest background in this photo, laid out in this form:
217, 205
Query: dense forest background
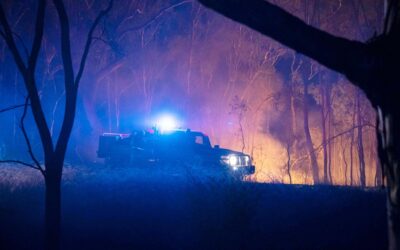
217, 76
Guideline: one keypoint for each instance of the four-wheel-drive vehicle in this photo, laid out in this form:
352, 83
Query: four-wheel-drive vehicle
174, 146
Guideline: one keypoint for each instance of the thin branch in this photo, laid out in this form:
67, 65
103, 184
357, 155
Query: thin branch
101, 39
12, 108
8, 37
37, 40
89, 42
19, 162
23, 44
28, 71
153, 19
27, 141
329, 140
70, 82
54, 111
275, 95
292, 32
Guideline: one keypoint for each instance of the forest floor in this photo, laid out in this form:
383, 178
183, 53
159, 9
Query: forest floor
169, 208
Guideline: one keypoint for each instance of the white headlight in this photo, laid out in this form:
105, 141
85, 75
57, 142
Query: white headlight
233, 160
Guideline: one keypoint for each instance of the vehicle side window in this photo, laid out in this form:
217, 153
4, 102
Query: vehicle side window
199, 140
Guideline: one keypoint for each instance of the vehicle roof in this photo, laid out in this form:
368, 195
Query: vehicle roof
186, 131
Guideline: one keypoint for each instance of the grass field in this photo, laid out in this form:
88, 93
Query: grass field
184, 208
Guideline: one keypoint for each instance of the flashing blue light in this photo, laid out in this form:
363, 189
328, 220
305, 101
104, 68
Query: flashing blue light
166, 122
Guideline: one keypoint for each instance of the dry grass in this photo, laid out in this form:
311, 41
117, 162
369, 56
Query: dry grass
186, 207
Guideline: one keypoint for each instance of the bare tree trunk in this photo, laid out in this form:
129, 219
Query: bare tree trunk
293, 110
293, 130
242, 132
310, 147
344, 160
323, 126
378, 175
352, 142
53, 207
360, 146
288, 161
330, 120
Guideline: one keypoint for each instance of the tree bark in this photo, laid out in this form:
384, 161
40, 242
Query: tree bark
323, 126
379, 176
352, 140
360, 146
288, 163
330, 120
310, 147
344, 160
53, 208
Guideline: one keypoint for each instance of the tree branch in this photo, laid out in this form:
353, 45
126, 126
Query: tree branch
71, 84
7, 34
65, 46
292, 32
12, 107
159, 14
89, 42
37, 40
27, 141
70, 90
30, 82
28, 72
19, 162
329, 140
36, 165
23, 44
2, 33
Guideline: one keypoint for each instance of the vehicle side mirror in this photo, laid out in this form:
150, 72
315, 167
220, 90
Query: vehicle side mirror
216, 146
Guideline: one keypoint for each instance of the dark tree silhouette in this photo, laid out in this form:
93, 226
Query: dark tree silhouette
373, 66
54, 154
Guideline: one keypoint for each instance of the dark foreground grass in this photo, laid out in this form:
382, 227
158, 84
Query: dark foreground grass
129, 208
